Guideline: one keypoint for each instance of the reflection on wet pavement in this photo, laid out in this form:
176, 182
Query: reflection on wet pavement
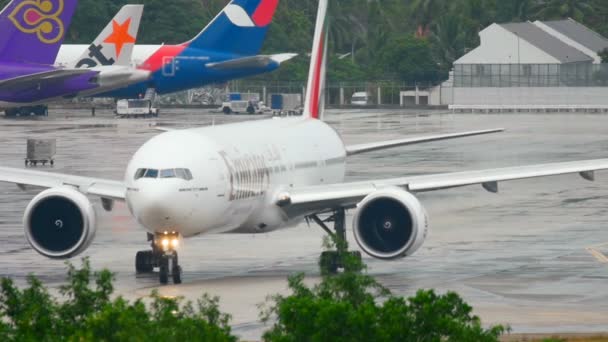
530, 256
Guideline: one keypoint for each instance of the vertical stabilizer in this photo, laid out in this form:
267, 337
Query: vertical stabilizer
31, 31
314, 104
239, 29
114, 45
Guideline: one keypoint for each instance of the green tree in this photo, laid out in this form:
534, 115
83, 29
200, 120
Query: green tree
85, 312
409, 59
561, 9
352, 306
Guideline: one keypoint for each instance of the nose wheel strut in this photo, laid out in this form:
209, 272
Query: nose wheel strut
163, 256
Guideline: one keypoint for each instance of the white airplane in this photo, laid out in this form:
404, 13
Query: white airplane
253, 177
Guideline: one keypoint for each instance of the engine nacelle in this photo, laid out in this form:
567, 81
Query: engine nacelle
60, 223
390, 223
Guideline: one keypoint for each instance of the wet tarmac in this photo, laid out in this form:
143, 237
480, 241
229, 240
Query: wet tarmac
531, 256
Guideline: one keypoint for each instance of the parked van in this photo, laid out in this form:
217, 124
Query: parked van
361, 99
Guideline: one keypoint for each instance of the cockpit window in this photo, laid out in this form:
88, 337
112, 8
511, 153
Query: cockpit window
151, 173
140, 173
184, 174
167, 173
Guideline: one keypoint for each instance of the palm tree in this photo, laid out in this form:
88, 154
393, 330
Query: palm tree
560, 9
423, 12
448, 36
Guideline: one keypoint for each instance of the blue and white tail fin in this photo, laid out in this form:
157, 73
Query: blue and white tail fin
240, 29
314, 104
114, 45
31, 31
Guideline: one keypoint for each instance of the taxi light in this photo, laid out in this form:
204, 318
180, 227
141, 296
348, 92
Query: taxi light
165, 243
174, 243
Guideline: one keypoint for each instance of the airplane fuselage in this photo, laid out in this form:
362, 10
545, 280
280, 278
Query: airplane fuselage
174, 68
237, 172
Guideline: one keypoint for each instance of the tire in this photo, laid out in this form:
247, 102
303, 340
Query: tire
227, 110
329, 263
143, 262
177, 275
163, 275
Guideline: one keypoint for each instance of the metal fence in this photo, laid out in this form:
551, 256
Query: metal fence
531, 75
337, 94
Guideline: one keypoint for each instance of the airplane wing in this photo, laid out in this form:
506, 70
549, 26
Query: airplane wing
363, 148
252, 62
109, 189
315, 199
41, 79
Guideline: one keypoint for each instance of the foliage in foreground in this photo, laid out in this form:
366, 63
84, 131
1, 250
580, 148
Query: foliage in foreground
352, 306
86, 312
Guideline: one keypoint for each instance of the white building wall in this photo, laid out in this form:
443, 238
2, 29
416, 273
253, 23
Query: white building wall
501, 46
593, 54
521, 96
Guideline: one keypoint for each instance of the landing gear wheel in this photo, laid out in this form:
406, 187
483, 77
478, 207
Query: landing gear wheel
143, 262
331, 262
163, 275
177, 274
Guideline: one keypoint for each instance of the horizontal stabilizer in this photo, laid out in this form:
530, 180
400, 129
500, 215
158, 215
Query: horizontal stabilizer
40, 79
383, 145
253, 62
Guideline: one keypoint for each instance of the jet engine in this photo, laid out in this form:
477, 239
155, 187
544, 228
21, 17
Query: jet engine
390, 224
60, 223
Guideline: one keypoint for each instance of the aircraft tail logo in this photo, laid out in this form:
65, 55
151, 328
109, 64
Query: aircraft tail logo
114, 45
40, 17
261, 17
240, 29
31, 31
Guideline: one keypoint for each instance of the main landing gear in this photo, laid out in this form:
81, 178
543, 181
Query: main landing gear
163, 255
332, 261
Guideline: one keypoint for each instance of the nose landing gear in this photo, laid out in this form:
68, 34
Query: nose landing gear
163, 255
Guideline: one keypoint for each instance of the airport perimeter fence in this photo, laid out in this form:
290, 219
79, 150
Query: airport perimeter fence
530, 75
383, 93
338, 94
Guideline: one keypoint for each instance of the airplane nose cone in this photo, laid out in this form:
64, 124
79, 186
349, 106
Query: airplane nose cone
156, 209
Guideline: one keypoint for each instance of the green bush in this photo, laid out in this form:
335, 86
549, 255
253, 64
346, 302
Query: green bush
352, 306
86, 312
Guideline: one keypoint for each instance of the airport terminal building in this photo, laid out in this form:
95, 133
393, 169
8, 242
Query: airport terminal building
544, 65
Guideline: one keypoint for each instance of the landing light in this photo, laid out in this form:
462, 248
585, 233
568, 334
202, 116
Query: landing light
174, 243
165, 242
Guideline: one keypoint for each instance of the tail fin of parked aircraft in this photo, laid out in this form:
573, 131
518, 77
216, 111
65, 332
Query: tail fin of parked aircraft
239, 29
315, 100
114, 45
32, 30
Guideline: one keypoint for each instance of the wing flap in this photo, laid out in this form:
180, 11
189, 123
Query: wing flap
305, 201
109, 189
382, 145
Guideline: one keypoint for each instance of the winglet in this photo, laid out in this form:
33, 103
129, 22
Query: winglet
315, 101
114, 45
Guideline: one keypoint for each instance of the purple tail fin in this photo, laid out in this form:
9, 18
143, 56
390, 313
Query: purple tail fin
32, 30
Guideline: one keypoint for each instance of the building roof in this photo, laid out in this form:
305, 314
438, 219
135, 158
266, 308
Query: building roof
546, 42
579, 33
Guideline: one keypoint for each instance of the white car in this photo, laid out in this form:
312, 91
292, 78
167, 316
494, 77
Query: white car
361, 99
